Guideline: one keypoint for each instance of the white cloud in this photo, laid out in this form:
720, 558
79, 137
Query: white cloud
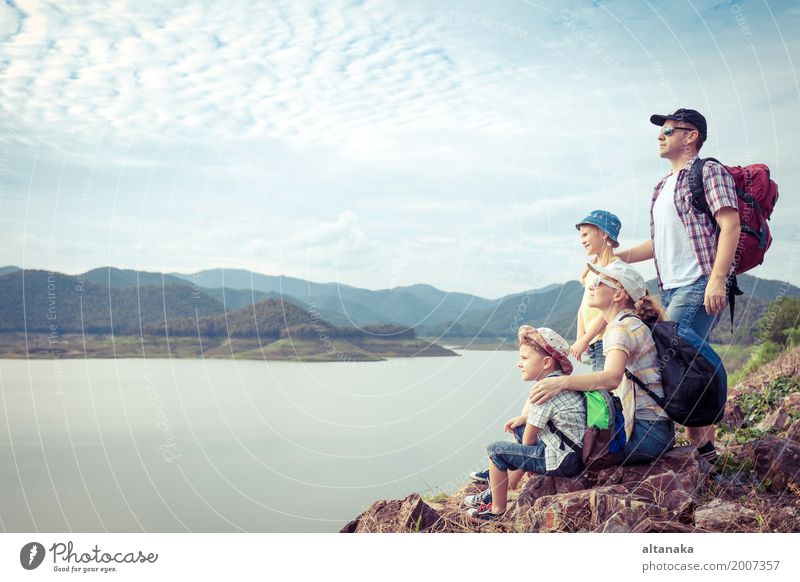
381, 125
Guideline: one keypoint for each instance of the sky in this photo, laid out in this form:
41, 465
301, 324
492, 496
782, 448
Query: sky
375, 144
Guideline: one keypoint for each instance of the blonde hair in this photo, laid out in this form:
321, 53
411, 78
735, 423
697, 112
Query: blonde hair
605, 257
648, 308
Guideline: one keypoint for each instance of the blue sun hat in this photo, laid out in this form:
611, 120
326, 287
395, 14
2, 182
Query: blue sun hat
606, 221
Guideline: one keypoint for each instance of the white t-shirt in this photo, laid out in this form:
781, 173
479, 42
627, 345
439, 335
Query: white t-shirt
677, 262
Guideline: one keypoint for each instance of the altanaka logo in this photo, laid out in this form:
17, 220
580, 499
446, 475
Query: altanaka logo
31, 555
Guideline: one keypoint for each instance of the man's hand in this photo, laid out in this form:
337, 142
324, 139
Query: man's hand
514, 423
716, 295
546, 389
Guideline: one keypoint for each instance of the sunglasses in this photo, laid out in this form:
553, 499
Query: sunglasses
668, 130
598, 280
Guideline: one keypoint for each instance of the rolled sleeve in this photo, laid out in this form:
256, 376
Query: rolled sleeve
719, 187
618, 337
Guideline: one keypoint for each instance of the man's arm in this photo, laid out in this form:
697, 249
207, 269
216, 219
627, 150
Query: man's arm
638, 253
729, 228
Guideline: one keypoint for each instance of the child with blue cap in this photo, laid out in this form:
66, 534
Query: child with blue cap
599, 233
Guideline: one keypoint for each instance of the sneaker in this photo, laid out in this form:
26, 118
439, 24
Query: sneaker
708, 452
478, 499
480, 476
484, 513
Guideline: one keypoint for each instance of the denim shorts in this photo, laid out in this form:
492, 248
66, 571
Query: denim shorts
685, 305
596, 356
650, 439
508, 456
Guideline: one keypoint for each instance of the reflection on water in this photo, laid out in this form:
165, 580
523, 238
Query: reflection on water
214, 445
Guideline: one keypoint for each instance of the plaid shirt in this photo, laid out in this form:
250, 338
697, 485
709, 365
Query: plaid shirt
567, 410
633, 337
720, 192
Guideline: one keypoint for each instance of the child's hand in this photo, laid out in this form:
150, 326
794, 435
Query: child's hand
578, 348
546, 389
514, 423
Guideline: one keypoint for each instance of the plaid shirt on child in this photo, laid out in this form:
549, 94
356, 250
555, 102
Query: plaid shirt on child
567, 410
720, 192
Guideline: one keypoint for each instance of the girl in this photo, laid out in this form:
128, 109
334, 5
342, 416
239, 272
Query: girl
599, 232
619, 292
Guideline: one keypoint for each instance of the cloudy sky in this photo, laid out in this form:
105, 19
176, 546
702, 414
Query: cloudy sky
376, 144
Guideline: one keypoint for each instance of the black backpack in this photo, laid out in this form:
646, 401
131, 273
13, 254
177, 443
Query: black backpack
692, 375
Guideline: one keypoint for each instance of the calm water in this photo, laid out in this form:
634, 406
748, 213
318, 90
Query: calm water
216, 445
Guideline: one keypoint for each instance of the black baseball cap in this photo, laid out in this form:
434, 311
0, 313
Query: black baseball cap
685, 115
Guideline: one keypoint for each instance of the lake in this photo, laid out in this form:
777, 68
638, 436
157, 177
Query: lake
218, 445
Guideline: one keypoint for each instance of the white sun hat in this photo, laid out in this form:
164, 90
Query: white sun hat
629, 278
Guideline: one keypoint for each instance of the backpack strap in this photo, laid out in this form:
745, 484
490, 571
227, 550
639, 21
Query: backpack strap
632, 377
695, 179
565, 440
700, 202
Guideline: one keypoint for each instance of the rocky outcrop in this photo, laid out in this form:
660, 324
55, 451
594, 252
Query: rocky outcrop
775, 420
614, 499
777, 463
411, 514
725, 516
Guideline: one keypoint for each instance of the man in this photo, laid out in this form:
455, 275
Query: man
693, 262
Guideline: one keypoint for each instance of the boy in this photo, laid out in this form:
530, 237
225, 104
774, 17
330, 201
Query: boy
543, 353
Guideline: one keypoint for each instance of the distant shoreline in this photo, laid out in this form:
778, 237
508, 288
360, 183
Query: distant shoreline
40, 346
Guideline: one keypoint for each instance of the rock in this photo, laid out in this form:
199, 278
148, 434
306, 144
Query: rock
724, 516
791, 403
682, 462
590, 509
621, 522
540, 486
411, 514
649, 525
616, 498
607, 501
733, 417
629, 521
565, 512
793, 434
777, 460
777, 420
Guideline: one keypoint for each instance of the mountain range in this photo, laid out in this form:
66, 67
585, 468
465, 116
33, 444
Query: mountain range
135, 300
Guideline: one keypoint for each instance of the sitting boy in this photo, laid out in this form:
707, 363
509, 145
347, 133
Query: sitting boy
543, 353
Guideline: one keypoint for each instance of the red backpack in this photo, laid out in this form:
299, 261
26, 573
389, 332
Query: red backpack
757, 197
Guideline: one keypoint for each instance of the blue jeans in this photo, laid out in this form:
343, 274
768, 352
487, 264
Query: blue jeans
685, 305
596, 356
508, 456
649, 440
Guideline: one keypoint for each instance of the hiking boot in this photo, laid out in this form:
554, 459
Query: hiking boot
478, 499
480, 476
484, 513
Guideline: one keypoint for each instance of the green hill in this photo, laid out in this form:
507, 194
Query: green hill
39, 301
115, 278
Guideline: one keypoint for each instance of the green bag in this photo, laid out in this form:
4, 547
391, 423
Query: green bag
596, 410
